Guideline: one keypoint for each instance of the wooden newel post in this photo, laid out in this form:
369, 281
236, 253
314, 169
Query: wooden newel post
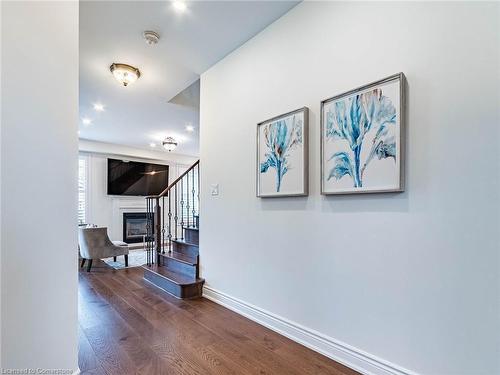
158, 229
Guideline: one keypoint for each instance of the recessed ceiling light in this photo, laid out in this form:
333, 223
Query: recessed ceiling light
179, 5
190, 128
98, 107
152, 144
86, 121
78, 132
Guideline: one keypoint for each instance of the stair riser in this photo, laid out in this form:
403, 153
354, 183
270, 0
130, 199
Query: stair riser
176, 266
192, 236
179, 291
185, 249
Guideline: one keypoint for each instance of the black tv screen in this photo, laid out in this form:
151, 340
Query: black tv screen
135, 178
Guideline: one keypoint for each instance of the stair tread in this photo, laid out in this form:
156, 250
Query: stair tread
186, 243
175, 277
181, 257
191, 228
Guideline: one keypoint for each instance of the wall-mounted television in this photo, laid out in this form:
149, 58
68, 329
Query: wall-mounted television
136, 178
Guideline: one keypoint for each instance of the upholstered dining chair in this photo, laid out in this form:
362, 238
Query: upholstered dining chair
95, 244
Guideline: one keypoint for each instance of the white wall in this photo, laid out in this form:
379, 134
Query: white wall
411, 278
0, 189
39, 118
105, 210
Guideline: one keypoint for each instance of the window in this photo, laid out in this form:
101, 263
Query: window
82, 189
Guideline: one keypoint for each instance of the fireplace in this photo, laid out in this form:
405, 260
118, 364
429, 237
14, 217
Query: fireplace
135, 226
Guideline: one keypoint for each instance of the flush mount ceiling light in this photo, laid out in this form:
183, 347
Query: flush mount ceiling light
125, 74
190, 128
151, 37
169, 144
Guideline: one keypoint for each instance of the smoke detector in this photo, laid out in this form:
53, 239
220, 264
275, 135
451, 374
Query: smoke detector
151, 37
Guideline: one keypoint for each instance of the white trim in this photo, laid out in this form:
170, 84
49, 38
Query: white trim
348, 355
113, 149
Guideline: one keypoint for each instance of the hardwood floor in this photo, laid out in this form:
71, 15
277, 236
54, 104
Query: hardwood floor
127, 326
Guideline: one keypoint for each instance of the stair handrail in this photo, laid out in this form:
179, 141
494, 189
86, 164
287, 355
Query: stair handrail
169, 187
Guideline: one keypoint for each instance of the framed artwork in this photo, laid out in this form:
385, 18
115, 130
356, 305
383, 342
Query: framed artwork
282, 155
362, 139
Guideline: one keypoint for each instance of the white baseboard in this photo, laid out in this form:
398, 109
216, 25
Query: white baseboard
348, 355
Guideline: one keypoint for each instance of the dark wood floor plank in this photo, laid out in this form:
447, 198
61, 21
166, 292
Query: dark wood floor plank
265, 359
87, 360
129, 326
141, 305
127, 313
103, 312
235, 335
112, 358
197, 338
260, 356
165, 338
293, 353
193, 334
110, 351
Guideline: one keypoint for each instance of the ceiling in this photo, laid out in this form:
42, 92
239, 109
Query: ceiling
166, 97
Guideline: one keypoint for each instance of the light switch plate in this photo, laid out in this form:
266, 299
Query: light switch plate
214, 189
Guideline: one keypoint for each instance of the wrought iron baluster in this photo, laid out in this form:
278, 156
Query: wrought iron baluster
151, 229
182, 208
175, 216
158, 224
192, 192
163, 227
150, 234
187, 199
148, 231
169, 222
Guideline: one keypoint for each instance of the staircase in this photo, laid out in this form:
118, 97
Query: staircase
172, 246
